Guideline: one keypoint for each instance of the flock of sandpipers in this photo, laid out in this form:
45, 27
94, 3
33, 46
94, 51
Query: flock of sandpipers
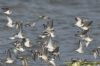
48, 50
84, 37
84, 25
23, 49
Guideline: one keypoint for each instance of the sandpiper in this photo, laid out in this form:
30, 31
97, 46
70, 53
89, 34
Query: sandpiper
56, 52
80, 49
9, 59
12, 24
49, 30
18, 47
23, 59
7, 11
82, 33
26, 42
19, 34
44, 35
83, 23
79, 22
35, 54
47, 34
43, 57
30, 24
87, 39
96, 52
52, 61
86, 23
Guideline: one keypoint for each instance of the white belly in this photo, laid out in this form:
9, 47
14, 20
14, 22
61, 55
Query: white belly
9, 60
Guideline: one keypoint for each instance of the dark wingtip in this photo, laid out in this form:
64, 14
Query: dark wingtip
5, 8
91, 22
45, 26
76, 18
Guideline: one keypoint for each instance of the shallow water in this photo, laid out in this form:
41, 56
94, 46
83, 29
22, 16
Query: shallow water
63, 13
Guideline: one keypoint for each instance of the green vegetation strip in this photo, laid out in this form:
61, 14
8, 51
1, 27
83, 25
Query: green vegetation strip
82, 63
